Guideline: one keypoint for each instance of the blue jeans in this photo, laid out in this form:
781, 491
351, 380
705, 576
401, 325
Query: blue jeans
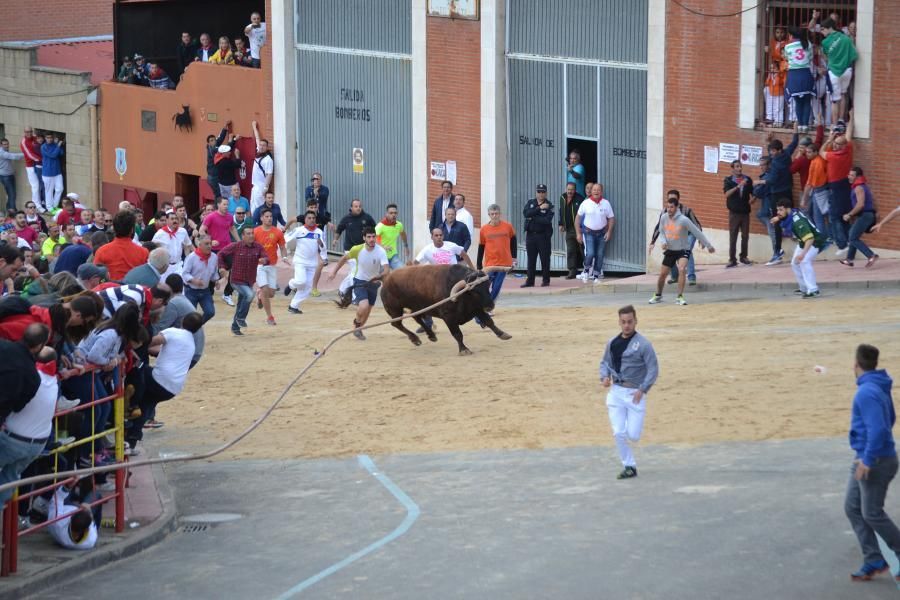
496, 280
594, 251
766, 212
841, 203
817, 216
245, 298
863, 221
395, 262
691, 273
15, 456
204, 298
9, 184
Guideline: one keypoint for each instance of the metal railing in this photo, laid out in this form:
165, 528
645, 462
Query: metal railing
10, 524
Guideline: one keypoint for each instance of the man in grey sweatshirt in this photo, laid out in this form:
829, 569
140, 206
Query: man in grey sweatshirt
8, 172
673, 231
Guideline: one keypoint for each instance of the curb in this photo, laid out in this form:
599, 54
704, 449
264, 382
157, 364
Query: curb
78, 566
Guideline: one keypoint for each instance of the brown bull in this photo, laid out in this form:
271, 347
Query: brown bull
420, 286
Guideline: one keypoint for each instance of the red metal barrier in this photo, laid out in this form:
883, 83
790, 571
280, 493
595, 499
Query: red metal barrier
10, 520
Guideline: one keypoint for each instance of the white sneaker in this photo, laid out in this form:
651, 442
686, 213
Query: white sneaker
109, 486
227, 300
66, 403
841, 252
65, 441
40, 505
132, 451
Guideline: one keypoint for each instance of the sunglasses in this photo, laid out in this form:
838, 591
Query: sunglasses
240, 213
315, 179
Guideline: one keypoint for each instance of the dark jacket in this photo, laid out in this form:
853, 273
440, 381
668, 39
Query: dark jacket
277, 217
354, 225
211, 154
184, 56
739, 202
778, 177
437, 212
458, 234
226, 169
19, 379
538, 221
322, 199
567, 212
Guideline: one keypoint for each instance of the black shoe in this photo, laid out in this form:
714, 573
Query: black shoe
731, 264
344, 299
527, 284
287, 290
242, 323
572, 274
236, 331
746, 261
420, 330
545, 284
294, 311
628, 473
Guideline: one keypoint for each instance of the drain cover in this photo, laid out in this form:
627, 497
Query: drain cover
212, 518
193, 528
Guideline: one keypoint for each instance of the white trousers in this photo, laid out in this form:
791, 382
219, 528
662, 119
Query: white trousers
348, 280
257, 197
35, 183
302, 283
172, 269
774, 107
626, 419
803, 271
53, 188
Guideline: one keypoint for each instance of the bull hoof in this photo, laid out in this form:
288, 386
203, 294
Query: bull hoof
504, 336
416, 341
465, 352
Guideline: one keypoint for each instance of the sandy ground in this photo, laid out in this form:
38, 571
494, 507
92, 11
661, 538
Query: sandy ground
729, 371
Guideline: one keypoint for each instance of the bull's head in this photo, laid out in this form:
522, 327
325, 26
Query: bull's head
482, 291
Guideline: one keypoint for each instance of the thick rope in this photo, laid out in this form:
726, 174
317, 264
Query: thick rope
259, 421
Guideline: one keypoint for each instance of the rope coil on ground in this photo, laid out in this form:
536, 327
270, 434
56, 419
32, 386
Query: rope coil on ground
455, 293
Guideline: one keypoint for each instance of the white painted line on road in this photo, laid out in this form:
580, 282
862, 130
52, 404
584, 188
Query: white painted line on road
412, 513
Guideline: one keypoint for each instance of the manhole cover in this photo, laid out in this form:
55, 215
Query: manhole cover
196, 528
212, 518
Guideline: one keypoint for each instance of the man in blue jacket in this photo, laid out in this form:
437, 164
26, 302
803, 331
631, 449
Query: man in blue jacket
51, 151
871, 420
778, 184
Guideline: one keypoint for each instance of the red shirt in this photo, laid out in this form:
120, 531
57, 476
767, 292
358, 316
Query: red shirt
31, 151
64, 217
27, 233
839, 163
245, 259
120, 256
218, 226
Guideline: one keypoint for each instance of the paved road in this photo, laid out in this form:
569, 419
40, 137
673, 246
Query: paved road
761, 520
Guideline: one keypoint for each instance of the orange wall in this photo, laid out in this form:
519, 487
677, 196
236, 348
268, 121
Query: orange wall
153, 158
51, 19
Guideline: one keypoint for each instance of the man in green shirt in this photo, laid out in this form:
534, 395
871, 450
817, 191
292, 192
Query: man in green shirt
810, 241
841, 55
388, 233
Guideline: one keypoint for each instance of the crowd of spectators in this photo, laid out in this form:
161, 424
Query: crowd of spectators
245, 52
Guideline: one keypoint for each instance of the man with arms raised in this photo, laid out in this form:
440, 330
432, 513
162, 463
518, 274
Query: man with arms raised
371, 267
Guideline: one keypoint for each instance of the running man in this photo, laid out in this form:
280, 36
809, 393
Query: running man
629, 365
673, 230
810, 241
371, 267
272, 240
386, 234
497, 247
307, 259
439, 252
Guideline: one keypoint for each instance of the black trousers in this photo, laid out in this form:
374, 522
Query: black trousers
538, 244
574, 251
738, 223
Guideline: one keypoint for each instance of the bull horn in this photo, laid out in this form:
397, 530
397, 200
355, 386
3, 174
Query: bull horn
459, 285
497, 269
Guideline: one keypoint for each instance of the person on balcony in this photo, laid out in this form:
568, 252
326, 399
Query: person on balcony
224, 55
158, 78
186, 52
206, 50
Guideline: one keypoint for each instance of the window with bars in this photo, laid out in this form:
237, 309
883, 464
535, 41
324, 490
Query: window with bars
773, 107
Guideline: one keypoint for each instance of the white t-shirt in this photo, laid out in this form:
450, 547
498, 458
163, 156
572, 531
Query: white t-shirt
445, 255
368, 262
35, 420
465, 217
262, 166
307, 250
174, 360
257, 39
174, 244
59, 531
594, 215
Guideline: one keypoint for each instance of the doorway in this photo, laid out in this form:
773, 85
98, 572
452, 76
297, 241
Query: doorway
588, 151
188, 187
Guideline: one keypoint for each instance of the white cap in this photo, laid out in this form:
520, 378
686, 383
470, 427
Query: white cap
73, 196
224, 148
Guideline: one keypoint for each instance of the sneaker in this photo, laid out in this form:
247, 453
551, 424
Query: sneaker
132, 451
680, 301
287, 290
227, 300
259, 303
153, 424
656, 299
584, 276
808, 295
66, 403
293, 311
775, 260
315, 293
236, 331
344, 300
869, 570
627, 473
692, 282
840, 252
671, 281
527, 284
799, 292
24, 523
731, 264
271, 321
545, 284
358, 334
780, 253
871, 260
846, 263
109, 486
40, 505
65, 441
242, 323
746, 261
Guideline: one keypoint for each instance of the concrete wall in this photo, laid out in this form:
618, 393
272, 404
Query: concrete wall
50, 99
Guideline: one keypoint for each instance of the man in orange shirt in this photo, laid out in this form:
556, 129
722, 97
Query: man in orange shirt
271, 239
838, 154
496, 248
122, 254
815, 200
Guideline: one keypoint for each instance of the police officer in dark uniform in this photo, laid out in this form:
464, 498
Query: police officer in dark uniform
538, 233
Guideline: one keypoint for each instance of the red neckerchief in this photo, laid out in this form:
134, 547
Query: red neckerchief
171, 232
313, 228
48, 368
860, 180
203, 257
220, 157
148, 299
384, 221
595, 201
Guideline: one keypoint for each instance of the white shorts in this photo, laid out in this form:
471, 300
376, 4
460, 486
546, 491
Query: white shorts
267, 276
840, 85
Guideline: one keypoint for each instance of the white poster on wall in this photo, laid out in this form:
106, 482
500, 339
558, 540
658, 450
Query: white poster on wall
750, 155
729, 152
438, 170
451, 171
710, 159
